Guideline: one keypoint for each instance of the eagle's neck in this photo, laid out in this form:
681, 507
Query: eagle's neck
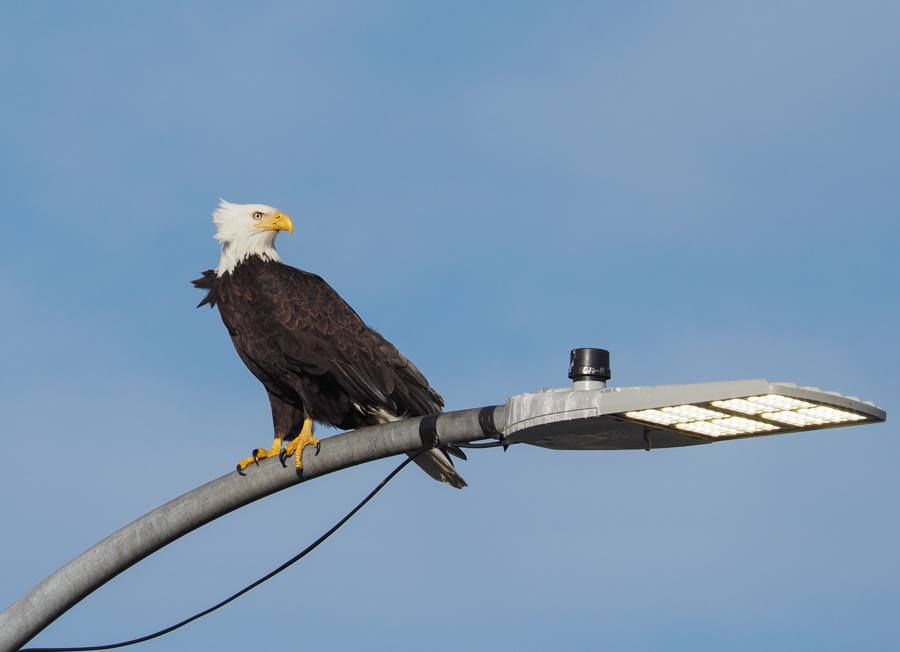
237, 251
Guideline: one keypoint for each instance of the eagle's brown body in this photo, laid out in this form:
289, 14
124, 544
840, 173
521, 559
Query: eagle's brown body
313, 353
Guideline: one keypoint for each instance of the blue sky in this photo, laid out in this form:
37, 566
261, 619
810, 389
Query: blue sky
709, 190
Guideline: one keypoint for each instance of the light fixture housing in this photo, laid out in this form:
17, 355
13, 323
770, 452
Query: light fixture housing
666, 416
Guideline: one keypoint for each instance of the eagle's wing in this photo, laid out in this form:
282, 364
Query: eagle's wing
318, 333
322, 335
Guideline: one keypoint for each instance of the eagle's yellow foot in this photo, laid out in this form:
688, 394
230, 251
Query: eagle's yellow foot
297, 444
260, 454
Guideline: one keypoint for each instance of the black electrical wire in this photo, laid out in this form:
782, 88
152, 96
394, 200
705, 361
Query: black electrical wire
249, 587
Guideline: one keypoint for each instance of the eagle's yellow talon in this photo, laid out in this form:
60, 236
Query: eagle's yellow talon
297, 444
260, 454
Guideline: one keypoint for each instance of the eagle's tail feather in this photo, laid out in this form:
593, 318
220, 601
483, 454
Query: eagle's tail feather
436, 464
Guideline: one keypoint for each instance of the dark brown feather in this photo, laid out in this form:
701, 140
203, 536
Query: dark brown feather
207, 282
312, 351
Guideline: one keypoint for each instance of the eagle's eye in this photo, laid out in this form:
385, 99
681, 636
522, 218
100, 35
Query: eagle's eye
257, 215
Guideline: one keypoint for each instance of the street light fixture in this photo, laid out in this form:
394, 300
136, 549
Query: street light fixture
590, 415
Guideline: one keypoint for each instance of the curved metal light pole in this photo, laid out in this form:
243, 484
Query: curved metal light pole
34, 611
587, 416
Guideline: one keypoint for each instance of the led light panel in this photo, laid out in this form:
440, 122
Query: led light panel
779, 402
793, 418
668, 416
746, 426
818, 415
830, 414
692, 413
741, 405
771, 408
653, 416
709, 428
727, 427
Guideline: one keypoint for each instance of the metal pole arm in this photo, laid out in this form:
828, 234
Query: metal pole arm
34, 611
583, 418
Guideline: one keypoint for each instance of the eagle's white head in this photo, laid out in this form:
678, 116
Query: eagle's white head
247, 230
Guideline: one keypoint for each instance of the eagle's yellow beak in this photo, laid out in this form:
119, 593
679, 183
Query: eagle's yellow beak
277, 222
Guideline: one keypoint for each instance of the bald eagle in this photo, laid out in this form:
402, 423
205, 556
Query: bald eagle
315, 356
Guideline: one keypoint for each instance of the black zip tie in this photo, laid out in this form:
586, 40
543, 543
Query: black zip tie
428, 431
489, 426
486, 420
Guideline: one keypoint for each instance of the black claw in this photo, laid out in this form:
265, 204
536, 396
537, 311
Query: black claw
282, 457
240, 472
255, 455
318, 447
